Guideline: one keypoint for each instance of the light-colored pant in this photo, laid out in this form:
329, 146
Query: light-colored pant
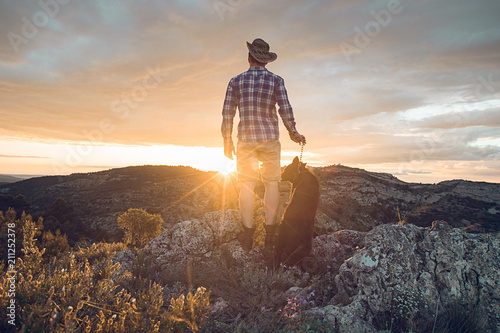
248, 156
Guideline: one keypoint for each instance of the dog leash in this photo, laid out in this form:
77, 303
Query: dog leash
300, 159
296, 173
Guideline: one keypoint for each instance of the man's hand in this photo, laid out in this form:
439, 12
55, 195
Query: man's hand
296, 137
229, 149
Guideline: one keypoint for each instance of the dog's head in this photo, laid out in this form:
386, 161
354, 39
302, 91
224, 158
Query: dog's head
292, 170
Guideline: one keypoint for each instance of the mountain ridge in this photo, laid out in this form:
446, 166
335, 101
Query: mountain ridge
351, 198
6, 179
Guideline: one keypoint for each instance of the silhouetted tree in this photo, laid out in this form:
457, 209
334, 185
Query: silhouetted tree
140, 227
61, 210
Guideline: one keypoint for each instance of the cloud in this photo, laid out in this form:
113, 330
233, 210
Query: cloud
20, 156
449, 120
418, 74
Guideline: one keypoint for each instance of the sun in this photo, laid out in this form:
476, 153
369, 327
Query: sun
228, 167
201, 158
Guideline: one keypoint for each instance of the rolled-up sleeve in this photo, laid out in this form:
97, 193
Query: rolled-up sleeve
229, 111
285, 109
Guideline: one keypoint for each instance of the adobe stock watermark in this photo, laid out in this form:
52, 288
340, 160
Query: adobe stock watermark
30, 28
121, 109
486, 84
428, 146
223, 7
11, 273
363, 36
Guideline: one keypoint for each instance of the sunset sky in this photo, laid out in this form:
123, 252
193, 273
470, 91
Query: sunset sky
407, 87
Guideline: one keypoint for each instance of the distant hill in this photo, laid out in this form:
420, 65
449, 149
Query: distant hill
351, 198
6, 179
359, 200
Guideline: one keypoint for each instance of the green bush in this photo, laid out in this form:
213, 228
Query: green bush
140, 227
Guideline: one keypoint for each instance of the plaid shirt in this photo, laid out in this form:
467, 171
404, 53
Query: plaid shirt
255, 93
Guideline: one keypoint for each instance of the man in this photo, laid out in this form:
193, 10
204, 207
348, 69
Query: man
255, 93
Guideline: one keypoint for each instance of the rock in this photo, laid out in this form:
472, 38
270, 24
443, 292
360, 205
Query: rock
225, 225
234, 254
405, 272
351, 238
325, 225
398, 278
346, 319
216, 234
125, 258
185, 240
293, 292
203, 240
219, 305
326, 250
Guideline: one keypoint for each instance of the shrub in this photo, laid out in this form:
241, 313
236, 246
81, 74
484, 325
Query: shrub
98, 251
140, 227
32, 255
68, 294
192, 309
54, 244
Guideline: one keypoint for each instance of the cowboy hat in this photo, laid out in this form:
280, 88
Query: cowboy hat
259, 49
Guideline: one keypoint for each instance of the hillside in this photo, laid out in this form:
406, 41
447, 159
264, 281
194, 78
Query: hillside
356, 199
351, 198
365, 273
98, 198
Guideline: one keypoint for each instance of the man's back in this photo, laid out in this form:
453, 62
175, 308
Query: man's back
255, 93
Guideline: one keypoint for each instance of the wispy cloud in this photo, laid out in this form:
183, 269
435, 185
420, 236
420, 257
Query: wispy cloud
461, 119
20, 156
416, 74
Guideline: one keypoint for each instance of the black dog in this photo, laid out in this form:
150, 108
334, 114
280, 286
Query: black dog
296, 230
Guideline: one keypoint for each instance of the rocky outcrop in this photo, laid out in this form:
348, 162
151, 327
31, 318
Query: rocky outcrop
195, 239
396, 277
405, 274
198, 240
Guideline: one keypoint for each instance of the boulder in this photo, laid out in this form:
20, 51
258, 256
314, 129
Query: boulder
225, 225
125, 258
351, 238
183, 241
405, 275
326, 250
199, 240
234, 255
